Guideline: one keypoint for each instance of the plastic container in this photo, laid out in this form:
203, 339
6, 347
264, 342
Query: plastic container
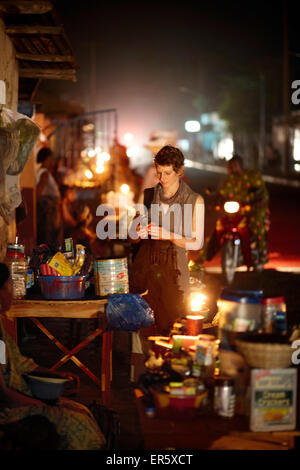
274, 315
18, 267
63, 287
178, 407
111, 276
239, 311
204, 355
46, 389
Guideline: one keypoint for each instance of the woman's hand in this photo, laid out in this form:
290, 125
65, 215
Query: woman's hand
142, 231
159, 233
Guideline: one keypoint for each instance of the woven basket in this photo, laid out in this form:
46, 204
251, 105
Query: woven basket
265, 355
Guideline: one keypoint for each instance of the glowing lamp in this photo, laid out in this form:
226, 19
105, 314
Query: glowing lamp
88, 174
197, 302
91, 153
99, 169
125, 189
231, 207
105, 156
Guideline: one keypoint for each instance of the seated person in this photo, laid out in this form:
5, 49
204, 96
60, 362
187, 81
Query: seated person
83, 233
75, 427
68, 198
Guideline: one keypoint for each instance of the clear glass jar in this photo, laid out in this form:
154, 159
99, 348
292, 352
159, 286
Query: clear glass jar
18, 267
274, 315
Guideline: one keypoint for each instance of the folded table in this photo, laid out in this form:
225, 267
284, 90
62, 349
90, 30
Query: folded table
77, 309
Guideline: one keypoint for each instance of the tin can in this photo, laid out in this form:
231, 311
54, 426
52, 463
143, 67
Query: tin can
224, 396
111, 276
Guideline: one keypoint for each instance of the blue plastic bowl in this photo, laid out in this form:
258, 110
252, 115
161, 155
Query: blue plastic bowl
63, 287
45, 389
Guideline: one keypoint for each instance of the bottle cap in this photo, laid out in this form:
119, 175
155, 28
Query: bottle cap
273, 300
223, 380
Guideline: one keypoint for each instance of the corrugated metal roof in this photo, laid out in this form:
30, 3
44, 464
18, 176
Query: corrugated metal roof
42, 47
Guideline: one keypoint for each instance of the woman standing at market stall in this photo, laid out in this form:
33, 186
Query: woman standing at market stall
176, 217
66, 426
49, 224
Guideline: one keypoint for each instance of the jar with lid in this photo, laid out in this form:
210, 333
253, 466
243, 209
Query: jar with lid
224, 396
18, 267
239, 311
274, 315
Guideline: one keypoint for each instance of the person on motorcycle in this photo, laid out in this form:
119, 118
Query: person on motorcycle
248, 188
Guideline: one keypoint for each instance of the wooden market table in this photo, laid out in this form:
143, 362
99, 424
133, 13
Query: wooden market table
207, 432
76, 309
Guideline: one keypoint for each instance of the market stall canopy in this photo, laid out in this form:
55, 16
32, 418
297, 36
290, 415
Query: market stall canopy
42, 47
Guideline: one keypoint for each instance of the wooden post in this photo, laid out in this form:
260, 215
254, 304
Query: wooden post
286, 93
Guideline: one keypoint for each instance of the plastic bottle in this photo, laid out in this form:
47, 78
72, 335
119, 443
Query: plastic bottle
29, 276
274, 315
18, 267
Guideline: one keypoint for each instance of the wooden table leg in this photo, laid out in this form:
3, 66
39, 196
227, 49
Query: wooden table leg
106, 365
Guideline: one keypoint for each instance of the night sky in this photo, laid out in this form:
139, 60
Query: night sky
161, 63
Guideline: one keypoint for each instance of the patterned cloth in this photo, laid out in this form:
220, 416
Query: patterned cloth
77, 429
249, 188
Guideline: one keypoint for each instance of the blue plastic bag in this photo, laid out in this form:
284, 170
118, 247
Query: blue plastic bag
129, 312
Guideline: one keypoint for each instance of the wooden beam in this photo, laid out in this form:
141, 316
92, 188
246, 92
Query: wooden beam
62, 74
38, 7
44, 57
38, 29
35, 89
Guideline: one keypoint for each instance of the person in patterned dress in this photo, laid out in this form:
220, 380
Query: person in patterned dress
67, 425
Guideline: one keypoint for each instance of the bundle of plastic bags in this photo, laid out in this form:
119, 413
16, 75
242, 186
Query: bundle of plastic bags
18, 135
129, 312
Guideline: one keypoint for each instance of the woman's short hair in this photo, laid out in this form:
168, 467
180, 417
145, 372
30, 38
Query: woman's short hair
43, 154
169, 155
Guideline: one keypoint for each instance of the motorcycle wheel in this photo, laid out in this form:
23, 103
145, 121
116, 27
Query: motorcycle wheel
230, 255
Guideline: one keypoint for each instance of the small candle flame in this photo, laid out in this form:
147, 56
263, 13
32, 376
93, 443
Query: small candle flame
197, 302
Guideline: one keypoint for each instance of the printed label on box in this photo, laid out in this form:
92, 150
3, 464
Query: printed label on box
273, 399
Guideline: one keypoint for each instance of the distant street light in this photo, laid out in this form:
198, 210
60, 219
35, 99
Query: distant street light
192, 126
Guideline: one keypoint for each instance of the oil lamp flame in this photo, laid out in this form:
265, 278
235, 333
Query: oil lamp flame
197, 302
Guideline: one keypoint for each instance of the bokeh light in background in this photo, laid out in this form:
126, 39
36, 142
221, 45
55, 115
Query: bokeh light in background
225, 148
125, 189
128, 138
132, 152
192, 126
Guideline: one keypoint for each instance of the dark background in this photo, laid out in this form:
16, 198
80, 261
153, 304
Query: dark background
161, 63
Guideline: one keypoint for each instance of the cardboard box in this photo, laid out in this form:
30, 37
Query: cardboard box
273, 399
